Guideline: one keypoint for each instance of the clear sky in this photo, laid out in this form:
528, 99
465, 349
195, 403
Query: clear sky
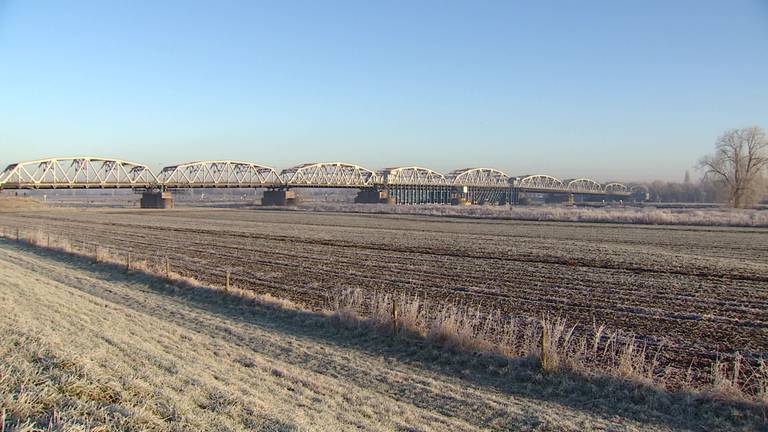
624, 90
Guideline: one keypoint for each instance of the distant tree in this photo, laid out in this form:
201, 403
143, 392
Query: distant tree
702, 191
687, 179
739, 159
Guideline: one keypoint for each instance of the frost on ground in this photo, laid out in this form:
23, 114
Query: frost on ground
87, 346
700, 292
628, 215
15, 203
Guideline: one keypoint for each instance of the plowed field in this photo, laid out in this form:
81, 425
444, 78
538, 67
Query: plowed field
699, 291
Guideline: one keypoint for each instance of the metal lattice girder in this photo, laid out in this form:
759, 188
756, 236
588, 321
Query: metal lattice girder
615, 188
480, 177
218, 174
328, 174
413, 175
583, 185
77, 173
487, 195
541, 182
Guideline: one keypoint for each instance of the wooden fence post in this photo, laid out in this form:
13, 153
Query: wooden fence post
228, 275
48, 241
167, 268
128, 261
17, 234
394, 317
545, 348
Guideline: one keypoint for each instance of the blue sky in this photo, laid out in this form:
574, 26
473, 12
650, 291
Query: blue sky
624, 90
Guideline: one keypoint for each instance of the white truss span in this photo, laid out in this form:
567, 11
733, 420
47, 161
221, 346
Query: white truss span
540, 182
218, 174
583, 185
90, 172
77, 173
328, 174
479, 177
615, 188
412, 176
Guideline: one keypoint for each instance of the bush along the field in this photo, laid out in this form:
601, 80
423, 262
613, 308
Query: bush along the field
551, 342
554, 344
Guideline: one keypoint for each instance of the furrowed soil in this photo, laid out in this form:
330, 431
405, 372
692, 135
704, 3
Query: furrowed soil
699, 292
88, 347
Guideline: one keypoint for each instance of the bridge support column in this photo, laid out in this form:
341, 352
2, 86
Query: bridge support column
503, 198
461, 196
156, 200
514, 196
373, 196
279, 197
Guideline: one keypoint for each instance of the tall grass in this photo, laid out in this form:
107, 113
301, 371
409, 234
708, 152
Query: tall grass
551, 342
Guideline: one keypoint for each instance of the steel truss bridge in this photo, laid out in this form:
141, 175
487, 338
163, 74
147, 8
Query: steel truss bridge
408, 185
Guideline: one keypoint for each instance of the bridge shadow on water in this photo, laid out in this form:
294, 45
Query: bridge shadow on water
604, 397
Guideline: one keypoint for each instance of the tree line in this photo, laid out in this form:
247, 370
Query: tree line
701, 191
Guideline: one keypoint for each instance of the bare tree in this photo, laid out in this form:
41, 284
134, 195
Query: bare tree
739, 159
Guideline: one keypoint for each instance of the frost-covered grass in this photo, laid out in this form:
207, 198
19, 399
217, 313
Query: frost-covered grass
137, 351
550, 341
625, 215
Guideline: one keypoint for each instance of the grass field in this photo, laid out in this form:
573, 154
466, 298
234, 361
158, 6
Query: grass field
88, 347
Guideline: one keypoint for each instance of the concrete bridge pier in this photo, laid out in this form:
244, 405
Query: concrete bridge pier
156, 200
373, 196
279, 197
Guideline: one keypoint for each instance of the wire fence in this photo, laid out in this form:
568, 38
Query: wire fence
130, 259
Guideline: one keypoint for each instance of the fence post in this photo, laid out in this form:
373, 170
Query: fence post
167, 268
48, 241
228, 277
544, 347
17, 234
394, 317
128, 261
96, 253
